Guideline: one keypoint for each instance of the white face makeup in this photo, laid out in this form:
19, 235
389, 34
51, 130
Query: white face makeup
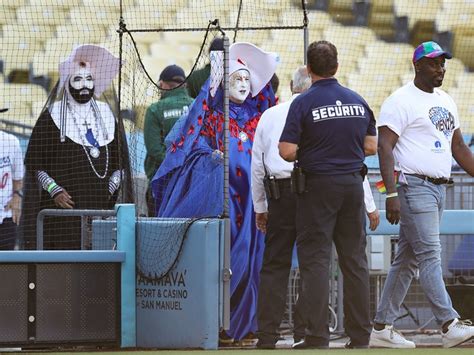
239, 86
82, 79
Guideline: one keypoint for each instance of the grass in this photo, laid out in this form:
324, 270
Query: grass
286, 351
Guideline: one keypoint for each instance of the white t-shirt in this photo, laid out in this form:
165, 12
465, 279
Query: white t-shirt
425, 123
11, 168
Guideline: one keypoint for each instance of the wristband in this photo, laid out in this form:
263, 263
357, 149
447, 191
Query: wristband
393, 194
18, 192
51, 187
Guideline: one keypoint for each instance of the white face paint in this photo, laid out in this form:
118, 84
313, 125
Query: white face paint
239, 86
82, 79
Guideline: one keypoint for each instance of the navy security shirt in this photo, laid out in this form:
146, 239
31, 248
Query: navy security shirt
329, 123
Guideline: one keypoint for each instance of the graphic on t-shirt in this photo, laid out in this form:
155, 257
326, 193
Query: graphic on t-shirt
4, 181
442, 119
438, 147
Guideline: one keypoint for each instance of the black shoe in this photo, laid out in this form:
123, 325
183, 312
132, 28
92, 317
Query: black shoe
265, 345
297, 338
350, 345
304, 345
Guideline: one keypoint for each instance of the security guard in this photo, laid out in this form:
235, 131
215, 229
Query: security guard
328, 132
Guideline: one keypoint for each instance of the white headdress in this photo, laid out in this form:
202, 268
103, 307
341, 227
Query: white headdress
242, 55
103, 65
260, 64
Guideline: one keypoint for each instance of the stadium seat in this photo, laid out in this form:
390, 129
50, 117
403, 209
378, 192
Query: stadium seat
407, 77
416, 10
465, 79
17, 52
7, 15
89, 33
22, 93
454, 68
13, 3
35, 32
18, 114
462, 96
454, 13
106, 3
382, 18
318, 20
193, 38
137, 17
403, 51
349, 35
44, 64
342, 10
66, 4
463, 45
42, 15
98, 15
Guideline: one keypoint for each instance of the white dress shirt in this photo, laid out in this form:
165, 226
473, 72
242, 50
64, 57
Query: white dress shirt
265, 145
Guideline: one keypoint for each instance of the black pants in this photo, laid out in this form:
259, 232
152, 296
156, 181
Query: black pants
150, 202
279, 242
8, 231
332, 210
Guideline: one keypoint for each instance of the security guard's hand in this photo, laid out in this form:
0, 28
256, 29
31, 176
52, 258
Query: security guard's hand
374, 219
261, 221
392, 208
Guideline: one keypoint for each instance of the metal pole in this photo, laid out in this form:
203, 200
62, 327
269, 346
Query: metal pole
227, 270
305, 31
226, 126
64, 213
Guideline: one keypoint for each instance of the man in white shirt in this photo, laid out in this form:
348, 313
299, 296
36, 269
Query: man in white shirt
418, 135
276, 216
11, 183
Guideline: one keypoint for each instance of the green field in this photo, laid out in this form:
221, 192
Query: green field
284, 351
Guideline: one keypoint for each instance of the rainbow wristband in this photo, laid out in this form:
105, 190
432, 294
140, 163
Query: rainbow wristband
51, 187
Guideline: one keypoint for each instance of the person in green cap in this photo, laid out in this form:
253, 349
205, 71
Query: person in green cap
160, 118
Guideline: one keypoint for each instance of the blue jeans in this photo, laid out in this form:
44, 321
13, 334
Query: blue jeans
422, 205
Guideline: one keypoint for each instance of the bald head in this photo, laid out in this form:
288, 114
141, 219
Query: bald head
300, 81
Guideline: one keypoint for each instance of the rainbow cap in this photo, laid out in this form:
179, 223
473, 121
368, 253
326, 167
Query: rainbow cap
429, 49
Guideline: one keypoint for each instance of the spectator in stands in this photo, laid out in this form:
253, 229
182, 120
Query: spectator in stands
418, 135
276, 216
11, 184
190, 181
198, 77
328, 131
76, 156
160, 117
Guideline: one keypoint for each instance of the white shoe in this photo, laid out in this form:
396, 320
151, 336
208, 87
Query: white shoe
389, 338
458, 332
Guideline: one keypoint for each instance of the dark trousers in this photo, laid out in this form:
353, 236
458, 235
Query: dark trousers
332, 210
279, 241
150, 202
8, 231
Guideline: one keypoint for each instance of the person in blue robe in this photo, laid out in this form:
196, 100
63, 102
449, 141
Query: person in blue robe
190, 181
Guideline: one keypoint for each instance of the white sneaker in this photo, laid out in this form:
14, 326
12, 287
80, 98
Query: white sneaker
458, 332
389, 338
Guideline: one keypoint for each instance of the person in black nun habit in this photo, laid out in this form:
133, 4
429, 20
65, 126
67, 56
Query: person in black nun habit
77, 155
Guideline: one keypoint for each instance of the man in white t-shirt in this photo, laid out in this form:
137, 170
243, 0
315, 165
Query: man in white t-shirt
11, 182
418, 136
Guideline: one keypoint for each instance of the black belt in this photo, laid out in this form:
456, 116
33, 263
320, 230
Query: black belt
436, 181
286, 182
